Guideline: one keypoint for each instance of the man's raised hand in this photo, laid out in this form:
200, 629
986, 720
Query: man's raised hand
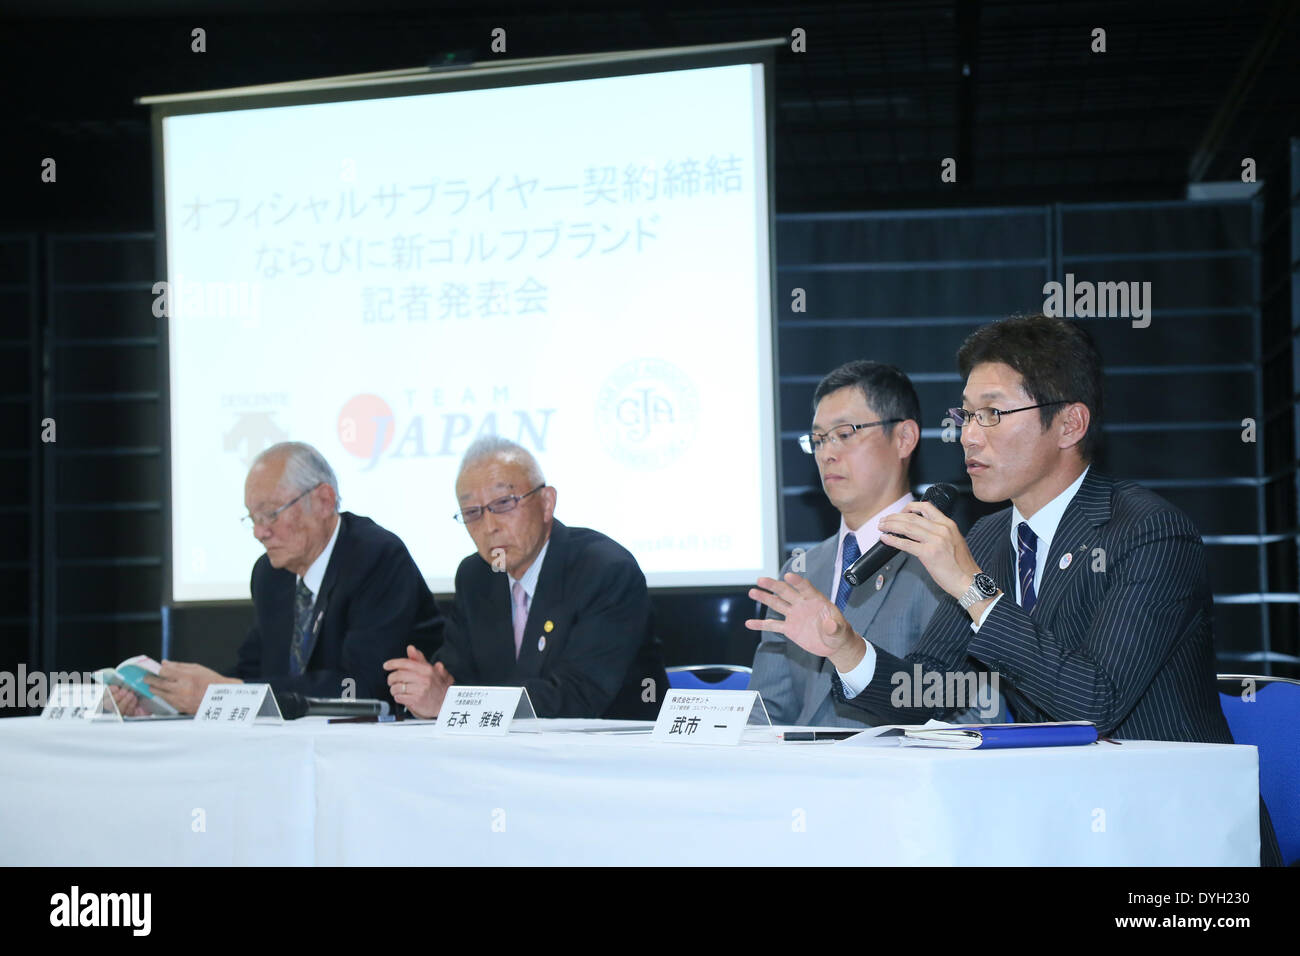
810, 620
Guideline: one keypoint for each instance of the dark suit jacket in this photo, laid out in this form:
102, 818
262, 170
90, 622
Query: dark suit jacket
374, 601
1122, 636
600, 647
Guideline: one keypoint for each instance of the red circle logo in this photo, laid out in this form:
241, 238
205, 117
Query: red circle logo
366, 426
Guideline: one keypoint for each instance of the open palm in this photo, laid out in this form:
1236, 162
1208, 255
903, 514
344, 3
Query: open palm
807, 617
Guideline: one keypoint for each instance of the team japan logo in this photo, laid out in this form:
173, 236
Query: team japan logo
369, 428
366, 425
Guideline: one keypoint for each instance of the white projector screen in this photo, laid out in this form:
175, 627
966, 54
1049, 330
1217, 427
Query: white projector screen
581, 266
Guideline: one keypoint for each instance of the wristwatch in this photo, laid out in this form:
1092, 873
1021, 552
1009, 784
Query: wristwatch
981, 589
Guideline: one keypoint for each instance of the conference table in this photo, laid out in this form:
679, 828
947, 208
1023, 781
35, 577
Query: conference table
602, 792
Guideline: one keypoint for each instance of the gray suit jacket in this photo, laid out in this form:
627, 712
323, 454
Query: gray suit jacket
796, 686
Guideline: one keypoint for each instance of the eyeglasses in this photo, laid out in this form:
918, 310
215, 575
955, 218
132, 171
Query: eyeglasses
988, 417
837, 435
267, 518
498, 506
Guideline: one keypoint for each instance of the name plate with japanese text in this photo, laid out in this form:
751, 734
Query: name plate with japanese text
483, 711
80, 702
708, 716
238, 705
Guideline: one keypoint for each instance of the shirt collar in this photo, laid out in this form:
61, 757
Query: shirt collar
316, 573
529, 580
869, 533
1047, 518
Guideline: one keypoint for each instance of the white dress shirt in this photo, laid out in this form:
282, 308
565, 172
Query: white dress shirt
315, 575
1044, 524
867, 536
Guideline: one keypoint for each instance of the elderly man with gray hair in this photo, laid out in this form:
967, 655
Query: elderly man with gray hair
334, 596
563, 612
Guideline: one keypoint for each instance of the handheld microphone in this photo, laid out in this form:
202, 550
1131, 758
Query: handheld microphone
942, 496
293, 706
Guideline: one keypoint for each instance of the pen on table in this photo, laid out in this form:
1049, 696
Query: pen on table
810, 735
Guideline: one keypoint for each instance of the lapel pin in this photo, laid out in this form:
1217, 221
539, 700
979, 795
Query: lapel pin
880, 581
541, 642
548, 626
1065, 560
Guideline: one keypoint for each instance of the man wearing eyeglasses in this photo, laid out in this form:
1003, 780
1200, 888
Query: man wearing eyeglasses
563, 612
864, 433
1088, 596
334, 596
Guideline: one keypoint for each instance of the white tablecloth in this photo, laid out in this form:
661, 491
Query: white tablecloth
307, 792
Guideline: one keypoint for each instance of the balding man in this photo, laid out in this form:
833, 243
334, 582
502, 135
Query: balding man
335, 595
563, 612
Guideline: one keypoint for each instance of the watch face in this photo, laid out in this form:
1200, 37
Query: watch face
987, 586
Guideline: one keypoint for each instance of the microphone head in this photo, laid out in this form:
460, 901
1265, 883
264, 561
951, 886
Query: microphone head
943, 496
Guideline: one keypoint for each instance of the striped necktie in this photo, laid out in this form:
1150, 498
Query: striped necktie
851, 554
1028, 563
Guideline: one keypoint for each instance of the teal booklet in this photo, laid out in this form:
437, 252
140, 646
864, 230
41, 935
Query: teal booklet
131, 674
1069, 733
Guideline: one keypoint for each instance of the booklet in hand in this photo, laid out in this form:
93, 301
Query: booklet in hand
131, 674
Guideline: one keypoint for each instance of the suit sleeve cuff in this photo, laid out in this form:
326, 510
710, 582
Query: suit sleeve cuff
856, 680
976, 625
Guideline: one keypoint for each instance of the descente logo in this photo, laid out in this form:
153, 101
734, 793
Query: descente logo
102, 909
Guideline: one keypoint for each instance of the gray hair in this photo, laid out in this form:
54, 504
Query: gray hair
304, 467
494, 446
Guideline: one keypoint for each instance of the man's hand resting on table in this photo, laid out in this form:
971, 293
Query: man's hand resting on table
418, 685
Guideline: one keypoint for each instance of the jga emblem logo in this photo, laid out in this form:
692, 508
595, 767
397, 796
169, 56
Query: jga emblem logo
647, 412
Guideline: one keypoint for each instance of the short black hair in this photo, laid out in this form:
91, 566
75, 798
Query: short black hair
1057, 361
887, 390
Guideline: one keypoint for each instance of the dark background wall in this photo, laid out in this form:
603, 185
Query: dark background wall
1068, 160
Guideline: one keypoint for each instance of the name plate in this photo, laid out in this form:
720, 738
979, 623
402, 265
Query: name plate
238, 705
706, 716
482, 711
80, 702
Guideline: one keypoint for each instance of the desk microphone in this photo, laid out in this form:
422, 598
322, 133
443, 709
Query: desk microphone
942, 496
293, 706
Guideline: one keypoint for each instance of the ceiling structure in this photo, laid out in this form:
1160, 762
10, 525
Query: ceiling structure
1014, 92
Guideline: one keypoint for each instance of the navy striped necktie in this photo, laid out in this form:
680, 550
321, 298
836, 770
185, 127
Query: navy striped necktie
851, 554
1028, 563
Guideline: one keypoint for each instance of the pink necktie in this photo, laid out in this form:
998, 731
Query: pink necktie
520, 598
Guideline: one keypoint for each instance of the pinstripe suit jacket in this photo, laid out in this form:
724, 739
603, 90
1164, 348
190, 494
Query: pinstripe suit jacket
1122, 636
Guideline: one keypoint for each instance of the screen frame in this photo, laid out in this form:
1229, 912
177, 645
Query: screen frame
504, 74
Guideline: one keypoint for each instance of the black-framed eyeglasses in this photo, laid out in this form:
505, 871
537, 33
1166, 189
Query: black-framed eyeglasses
498, 506
267, 518
988, 417
837, 435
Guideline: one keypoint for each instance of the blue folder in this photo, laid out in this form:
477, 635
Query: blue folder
1001, 736
994, 736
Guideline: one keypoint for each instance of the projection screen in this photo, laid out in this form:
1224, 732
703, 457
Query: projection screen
575, 257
